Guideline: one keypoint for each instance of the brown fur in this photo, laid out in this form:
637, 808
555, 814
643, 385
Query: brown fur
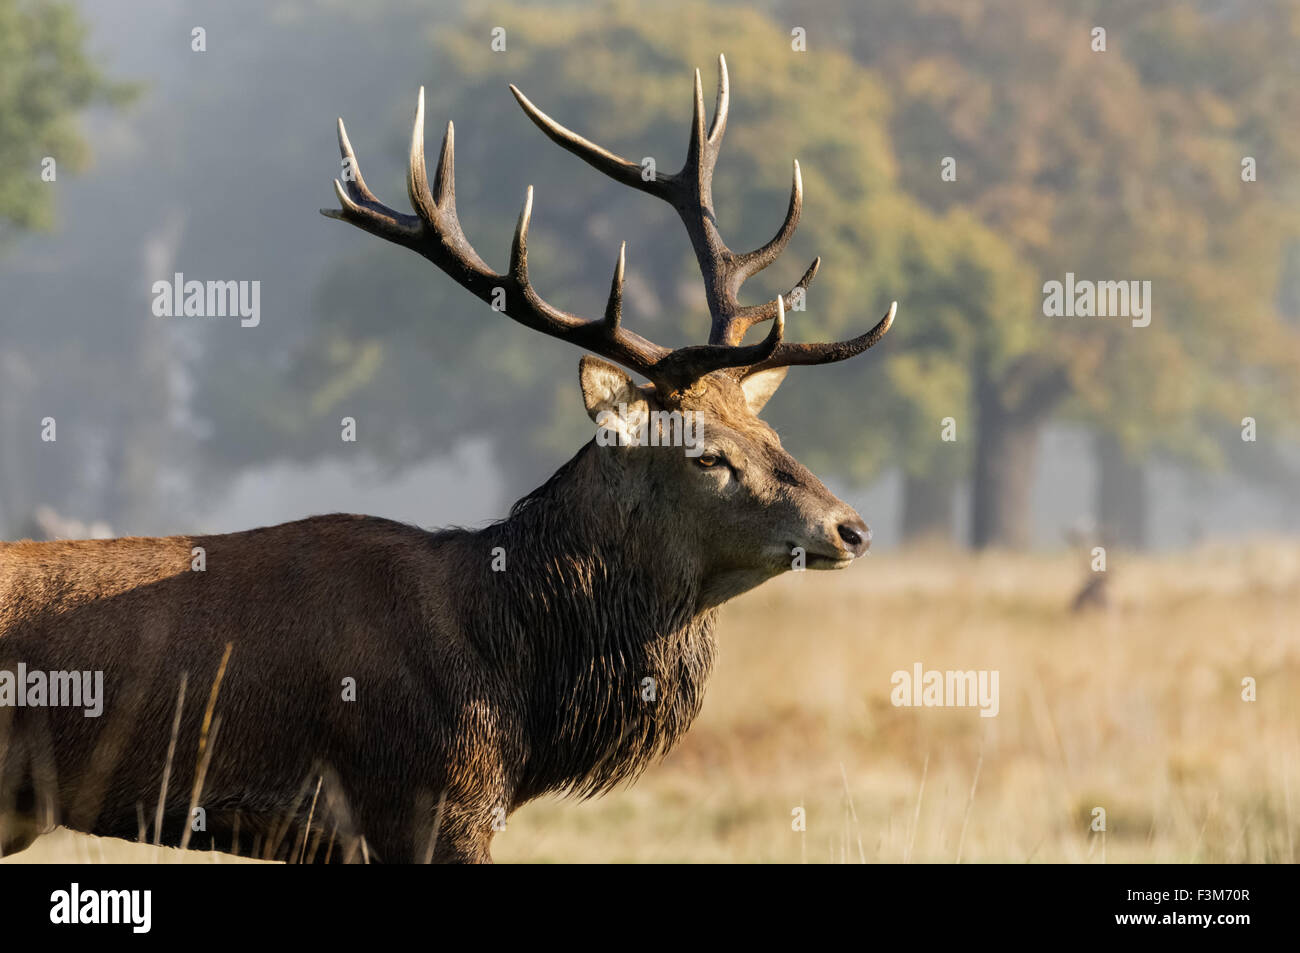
477, 690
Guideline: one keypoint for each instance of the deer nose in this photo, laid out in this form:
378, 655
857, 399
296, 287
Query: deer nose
856, 536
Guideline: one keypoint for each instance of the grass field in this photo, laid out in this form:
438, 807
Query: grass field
1137, 710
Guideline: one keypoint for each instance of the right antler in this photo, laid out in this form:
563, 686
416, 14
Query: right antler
435, 232
690, 192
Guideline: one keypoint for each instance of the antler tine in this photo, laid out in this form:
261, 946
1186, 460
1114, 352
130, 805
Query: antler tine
444, 177
700, 149
751, 263
417, 173
746, 317
614, 306
721, 106
353, 174
614, 166
788, 355
519, 244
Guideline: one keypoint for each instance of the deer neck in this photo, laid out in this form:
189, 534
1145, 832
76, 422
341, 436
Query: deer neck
600, 617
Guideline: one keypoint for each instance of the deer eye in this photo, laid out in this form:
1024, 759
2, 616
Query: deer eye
707, 460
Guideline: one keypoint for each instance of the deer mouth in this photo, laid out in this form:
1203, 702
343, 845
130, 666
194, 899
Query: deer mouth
819, 560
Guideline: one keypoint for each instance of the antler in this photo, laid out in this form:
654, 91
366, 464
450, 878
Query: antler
690, 192
434, 231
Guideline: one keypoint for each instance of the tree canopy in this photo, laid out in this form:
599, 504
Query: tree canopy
46, 80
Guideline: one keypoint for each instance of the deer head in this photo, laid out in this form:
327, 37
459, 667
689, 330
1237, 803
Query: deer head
746, 506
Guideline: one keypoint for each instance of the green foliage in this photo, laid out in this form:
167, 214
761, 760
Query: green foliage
1123, 164
46, 79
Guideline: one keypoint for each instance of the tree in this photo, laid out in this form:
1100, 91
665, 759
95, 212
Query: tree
46, 82
1110, 164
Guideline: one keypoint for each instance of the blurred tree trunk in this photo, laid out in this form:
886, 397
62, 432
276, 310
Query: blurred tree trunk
1121, 504
1005, 458
1010, 414
927, 507
17, 470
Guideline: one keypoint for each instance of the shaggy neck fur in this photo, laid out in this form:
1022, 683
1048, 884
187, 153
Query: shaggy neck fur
598, 599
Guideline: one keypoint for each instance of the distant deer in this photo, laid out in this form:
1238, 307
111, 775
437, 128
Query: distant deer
393, 694
1094, 591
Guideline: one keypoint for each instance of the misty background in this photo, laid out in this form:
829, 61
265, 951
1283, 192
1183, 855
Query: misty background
1117, 164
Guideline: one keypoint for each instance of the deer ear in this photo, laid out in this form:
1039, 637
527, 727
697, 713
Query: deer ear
760, 386
604, 386
613, 400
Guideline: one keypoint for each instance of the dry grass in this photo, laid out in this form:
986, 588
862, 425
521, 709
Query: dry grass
1137, 710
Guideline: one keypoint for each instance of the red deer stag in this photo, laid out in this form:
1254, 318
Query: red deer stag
359, 688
